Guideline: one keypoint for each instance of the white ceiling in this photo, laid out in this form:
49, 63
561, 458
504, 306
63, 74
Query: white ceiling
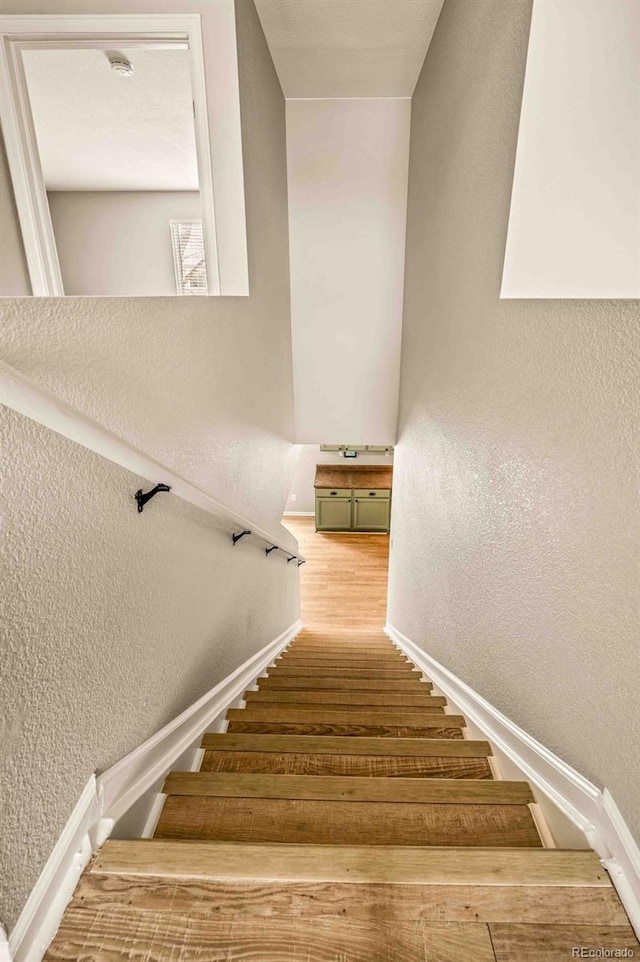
348, 48
98, 130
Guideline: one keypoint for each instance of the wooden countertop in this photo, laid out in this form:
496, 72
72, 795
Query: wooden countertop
353, 476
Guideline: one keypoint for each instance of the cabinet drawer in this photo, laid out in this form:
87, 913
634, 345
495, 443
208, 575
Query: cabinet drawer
372, 493
333, 492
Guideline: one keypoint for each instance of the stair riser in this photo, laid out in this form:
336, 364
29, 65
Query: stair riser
344, 684
466, 748
345, 699
327, 716
374, 766
320, 707
347, 823
344, 731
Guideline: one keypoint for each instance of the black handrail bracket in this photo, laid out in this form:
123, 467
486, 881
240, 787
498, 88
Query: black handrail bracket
142, 498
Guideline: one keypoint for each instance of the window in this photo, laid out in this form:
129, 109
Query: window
187, 238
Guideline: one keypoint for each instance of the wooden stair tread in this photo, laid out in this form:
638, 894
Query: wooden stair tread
433, 726
342, 816
347, 641
351, 863
327, 697
357, 745
341, 651
332, 716
346, 822
380, 652
363, 643
556, 943
340, 683
273, 705
148, 935
302, 664
234, 897
365, 646
322, 672
363, 789
348, 633
373, 766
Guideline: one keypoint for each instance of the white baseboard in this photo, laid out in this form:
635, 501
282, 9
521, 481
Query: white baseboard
299, 514
4, 946
41, 915
591, 809
107, 797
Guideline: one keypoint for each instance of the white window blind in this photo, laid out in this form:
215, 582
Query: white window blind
187, 239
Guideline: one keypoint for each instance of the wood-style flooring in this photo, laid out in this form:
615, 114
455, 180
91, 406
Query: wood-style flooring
344, 581
342, 817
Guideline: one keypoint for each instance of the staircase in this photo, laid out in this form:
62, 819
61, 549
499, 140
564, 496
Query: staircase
343, 817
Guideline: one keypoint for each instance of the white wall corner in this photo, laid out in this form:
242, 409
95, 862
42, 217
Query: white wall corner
591, 809
108, 796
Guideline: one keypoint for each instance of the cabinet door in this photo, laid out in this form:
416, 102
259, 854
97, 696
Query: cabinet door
371, 515
333, 514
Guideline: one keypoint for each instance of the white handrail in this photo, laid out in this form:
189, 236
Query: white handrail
20, 393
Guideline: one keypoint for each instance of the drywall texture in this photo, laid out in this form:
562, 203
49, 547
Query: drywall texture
515, 525
111, 624
119, 242
202, 384
347, 164
302, 483
102, 604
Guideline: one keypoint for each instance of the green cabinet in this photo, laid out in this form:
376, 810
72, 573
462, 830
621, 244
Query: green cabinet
333, 513
353, 509
371, 514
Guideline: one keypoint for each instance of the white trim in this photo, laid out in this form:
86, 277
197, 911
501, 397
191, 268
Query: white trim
21, 394
41, 915
592, 810
26, 174
203, 155
223, 152
153, 815
5, 951
122, 784
107, 797
299, 514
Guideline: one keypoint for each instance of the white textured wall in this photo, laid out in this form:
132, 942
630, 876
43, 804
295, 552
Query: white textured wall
111, 624
202, 384
118, 243
347, 163
574, 226
515, 523
309, 456
122, 620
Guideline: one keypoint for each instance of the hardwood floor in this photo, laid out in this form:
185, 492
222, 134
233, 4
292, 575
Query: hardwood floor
344, 581
342, 817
